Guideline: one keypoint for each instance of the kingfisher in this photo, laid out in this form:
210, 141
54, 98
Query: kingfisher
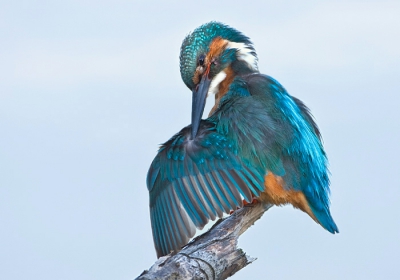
258, 144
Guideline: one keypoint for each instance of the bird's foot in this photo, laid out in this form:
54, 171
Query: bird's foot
254, 201
245, 203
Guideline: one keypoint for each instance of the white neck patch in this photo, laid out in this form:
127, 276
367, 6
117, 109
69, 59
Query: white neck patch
214, 86
244, 53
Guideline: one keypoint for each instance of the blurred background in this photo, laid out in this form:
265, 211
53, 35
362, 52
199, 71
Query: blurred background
89, 89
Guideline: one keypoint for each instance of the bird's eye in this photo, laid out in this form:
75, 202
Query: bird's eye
201, 60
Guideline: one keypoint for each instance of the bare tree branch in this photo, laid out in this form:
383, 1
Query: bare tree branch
213, 255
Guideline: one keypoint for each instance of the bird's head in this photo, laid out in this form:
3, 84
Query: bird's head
212, 53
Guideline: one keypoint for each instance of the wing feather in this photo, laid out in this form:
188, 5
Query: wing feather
221, 197
244, 185
210, 193
201, 193
188, 204
168, 227
171, 220
194, 181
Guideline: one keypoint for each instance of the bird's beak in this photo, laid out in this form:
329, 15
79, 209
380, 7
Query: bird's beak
199, 101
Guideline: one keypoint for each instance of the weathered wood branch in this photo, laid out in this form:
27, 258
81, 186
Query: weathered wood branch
212, 255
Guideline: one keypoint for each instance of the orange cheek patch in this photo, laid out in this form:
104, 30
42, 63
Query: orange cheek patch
223, 88
216, 48
275, 193
196, 77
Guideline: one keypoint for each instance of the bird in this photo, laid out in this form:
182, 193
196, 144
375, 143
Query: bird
258, 144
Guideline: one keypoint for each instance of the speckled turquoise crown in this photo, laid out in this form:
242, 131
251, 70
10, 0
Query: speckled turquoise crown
197, 43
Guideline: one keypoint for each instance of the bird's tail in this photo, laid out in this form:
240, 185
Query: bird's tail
324, 218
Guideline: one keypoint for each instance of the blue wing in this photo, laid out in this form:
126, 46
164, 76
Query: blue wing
194, 181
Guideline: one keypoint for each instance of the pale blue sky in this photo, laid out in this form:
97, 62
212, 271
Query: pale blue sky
88, 89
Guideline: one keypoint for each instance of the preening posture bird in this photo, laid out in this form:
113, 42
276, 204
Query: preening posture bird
258, 143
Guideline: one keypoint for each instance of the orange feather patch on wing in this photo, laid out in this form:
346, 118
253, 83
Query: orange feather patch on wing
276, 194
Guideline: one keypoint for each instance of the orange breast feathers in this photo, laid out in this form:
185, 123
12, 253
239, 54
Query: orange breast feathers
276, 194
